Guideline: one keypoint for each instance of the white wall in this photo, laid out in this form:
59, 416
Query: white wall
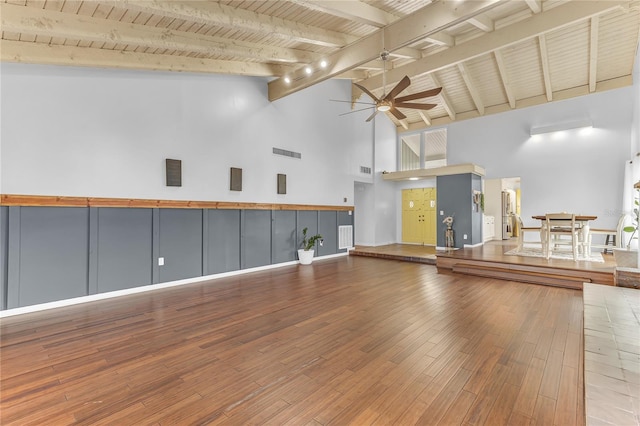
106, 133
364, 220
635, 138
581, 173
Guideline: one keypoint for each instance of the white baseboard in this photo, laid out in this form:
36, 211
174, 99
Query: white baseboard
150, 287
474, 245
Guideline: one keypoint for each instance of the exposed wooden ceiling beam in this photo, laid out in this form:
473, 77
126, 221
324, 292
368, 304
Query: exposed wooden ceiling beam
593, 53
534, 5
483, 23
506, 83
40, 22
544, 60
446, 103
472, 87
555, 18
40, 53
429, 20
441, 39
573, 92
352, 10
406, 52
215, 13
424, 118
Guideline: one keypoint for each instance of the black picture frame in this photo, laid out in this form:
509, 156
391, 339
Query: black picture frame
173, 172
282, 183
235, 179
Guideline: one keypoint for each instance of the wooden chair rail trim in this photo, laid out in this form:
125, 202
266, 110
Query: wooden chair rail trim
62, 201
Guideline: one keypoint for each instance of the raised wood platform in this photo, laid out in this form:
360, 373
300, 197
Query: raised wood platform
403, 252
490, 261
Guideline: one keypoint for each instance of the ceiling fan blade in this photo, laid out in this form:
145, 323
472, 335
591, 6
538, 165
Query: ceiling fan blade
397, 114
364, 103
404, 83
365, 90
372, 115
414, 106
425, 94
357, 110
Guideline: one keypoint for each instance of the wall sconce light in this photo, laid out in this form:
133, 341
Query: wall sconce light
577, 124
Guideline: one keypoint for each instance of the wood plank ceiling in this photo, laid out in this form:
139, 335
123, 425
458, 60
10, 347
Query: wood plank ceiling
488, 55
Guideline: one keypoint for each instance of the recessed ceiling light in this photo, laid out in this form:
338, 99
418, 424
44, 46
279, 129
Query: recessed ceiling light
308, 70
287, 80
323, 64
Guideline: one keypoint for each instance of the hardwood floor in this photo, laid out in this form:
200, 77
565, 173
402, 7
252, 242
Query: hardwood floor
349, 340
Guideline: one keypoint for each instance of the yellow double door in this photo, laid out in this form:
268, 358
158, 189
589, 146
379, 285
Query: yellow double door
419, 216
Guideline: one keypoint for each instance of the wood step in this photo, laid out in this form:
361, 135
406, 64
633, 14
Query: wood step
544, 275
533, 277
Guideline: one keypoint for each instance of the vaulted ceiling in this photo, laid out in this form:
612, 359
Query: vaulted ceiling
489, 56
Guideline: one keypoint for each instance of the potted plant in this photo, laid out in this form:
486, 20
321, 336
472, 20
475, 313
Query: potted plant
305, 254
628, 258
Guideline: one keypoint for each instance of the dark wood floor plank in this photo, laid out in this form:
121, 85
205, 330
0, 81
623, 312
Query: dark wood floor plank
458, 409
350, 340
567, 402
528, 394
551, 377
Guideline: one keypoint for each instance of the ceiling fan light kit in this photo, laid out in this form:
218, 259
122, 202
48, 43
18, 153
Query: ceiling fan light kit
383, 106
389, 102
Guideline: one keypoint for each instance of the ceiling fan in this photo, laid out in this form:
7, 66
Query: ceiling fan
389, 102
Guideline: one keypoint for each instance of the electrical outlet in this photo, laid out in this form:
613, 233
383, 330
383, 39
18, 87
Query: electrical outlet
464, 237
161, 261
441, 212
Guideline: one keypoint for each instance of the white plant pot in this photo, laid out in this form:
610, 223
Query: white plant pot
626, 258
305, 256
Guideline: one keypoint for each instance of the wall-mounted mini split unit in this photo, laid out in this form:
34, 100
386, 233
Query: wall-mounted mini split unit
567, 125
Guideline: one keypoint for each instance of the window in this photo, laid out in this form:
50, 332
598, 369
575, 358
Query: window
423, 150
410, 152
435, 148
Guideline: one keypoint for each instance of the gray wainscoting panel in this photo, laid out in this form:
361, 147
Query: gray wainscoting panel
283, 247
346, 218
180, 239
224, 241
53, 254
307, 219
124, 248
4, 253
256, 238
328, 228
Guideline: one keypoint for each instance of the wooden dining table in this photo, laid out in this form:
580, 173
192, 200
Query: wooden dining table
582, 219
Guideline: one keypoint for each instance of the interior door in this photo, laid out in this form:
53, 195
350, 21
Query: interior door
412, 201
419, 216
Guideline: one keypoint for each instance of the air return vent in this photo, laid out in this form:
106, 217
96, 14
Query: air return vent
365, 170
345, 236
284, 152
